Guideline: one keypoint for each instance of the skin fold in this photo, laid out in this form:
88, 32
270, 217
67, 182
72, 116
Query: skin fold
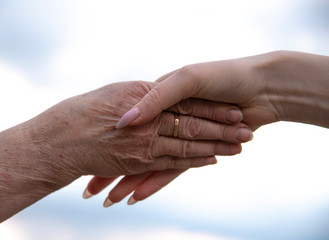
78, 137
271, 87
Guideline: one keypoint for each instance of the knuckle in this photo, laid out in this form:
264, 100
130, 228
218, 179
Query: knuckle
185, 107
155, 149
166, 119
142, 162
166, 163
191, 73
149, 165
173, 163
186, 149
192, 128
221, 132
137, 88
218, 149
157, 165
215, 115
176, 163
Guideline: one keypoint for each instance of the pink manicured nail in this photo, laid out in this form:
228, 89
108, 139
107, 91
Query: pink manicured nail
128, 117
234, 116
107, 203
131, 201
86, 194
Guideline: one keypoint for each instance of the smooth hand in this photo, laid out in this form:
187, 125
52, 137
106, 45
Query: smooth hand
278, 86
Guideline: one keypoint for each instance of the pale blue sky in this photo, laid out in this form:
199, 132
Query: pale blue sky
276, 189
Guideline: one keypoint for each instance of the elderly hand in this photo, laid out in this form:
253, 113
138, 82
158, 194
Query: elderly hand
278, 86
226, 132
78, 137
288, 86
84, 136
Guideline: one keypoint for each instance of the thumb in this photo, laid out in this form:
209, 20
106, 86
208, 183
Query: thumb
168, 92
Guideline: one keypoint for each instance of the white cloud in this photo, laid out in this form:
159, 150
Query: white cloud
284, 168
20, 100
15, 96
11, 231
126, 40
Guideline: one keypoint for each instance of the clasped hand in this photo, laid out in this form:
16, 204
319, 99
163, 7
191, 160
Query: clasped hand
149, 155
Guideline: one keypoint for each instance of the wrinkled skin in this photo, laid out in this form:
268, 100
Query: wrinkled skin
144, 141
78, 137
277, 86
84, 138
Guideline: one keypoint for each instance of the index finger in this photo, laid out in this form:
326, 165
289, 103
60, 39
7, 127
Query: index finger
168, 92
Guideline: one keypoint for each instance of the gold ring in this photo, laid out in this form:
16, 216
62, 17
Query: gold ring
176, 127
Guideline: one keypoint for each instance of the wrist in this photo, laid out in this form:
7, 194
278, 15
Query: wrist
46, 135
297, 85
24, 162
25, 177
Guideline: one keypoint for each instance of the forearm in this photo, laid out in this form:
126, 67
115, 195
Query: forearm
297, 84
25, 176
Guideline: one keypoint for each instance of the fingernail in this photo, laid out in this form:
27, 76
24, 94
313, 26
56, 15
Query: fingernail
131, 201
86, 194
128, 117
234, 116
107, 203
244, 135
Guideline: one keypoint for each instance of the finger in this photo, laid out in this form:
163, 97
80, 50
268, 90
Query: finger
202, 129
154, 183
129, 183
126, 186
180, 148
96, 185
220, 112
162, 96
166, 162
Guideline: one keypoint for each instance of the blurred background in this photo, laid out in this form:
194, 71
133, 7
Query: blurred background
278, 188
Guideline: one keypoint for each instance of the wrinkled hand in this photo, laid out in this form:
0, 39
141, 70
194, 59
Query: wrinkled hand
278, 86
78, 136
148, 183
